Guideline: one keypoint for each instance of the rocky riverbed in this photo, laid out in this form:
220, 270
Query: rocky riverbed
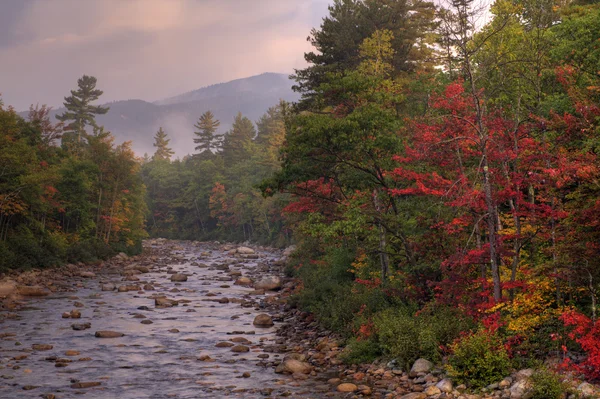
190, 320
183, 320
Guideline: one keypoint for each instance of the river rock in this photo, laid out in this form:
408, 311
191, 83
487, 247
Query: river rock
90, 384
421, 366
505, 383
432, 390
520, 388
586, 389
163, 302
240, 349
269, 283
524, 374
224, 344
127, 288
245, 251
26, 290
72, 353
445, 385
179, 278
263, 320
87, 274
7, 288
75, 314
289, 250
81, 327
243, 281
347, 387
292, 366
414, 395
41, 347
108, 334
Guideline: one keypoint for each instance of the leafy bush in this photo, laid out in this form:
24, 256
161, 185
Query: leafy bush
331, 294
547, 385
479, 359
361, 351
406, 337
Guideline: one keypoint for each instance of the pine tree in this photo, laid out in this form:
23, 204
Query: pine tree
237, 140
80, 112
205, 135
161, 142
349, 23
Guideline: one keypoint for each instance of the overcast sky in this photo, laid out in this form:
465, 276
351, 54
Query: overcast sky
147, 49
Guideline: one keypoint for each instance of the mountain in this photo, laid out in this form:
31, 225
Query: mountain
138, 120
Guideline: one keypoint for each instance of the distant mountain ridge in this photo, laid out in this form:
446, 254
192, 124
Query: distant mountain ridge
138, 120
271, 84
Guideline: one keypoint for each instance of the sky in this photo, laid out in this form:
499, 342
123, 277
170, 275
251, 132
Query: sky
146, 49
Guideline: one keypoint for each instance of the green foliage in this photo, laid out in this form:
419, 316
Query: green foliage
212, 196
58, 206
80, 112
162, 146
337, 41
359, 351
547, 385
206, 127
406, 336
479, 359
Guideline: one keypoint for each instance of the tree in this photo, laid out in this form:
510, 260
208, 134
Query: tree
349, 23
205, 135
161, 142
40, 116
80, 112
237, 140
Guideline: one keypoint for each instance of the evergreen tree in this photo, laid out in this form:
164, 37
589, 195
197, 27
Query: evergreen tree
237, 140
161, 142
205, 134
80, 112
350, 22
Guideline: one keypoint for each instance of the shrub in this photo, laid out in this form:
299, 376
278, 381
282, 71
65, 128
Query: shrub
361, 351
406, 337
586, 333
546, 385
479, 359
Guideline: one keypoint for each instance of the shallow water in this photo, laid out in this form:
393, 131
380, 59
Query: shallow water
149, 361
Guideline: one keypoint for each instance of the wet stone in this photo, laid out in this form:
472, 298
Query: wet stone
108, 334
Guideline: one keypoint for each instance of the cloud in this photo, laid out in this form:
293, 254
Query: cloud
147, 49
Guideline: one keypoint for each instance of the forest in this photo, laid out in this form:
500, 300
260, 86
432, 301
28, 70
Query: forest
439, 177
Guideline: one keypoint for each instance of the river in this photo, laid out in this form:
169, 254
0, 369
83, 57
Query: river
166, 352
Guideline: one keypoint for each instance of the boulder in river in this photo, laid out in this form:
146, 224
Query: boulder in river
90, 384
269, 283
164, 302
26, 290
108, 334
263, 320
240, 349
108, 287
41, 347
179, 278
81, 327
245, 251
292, 366
243, 281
